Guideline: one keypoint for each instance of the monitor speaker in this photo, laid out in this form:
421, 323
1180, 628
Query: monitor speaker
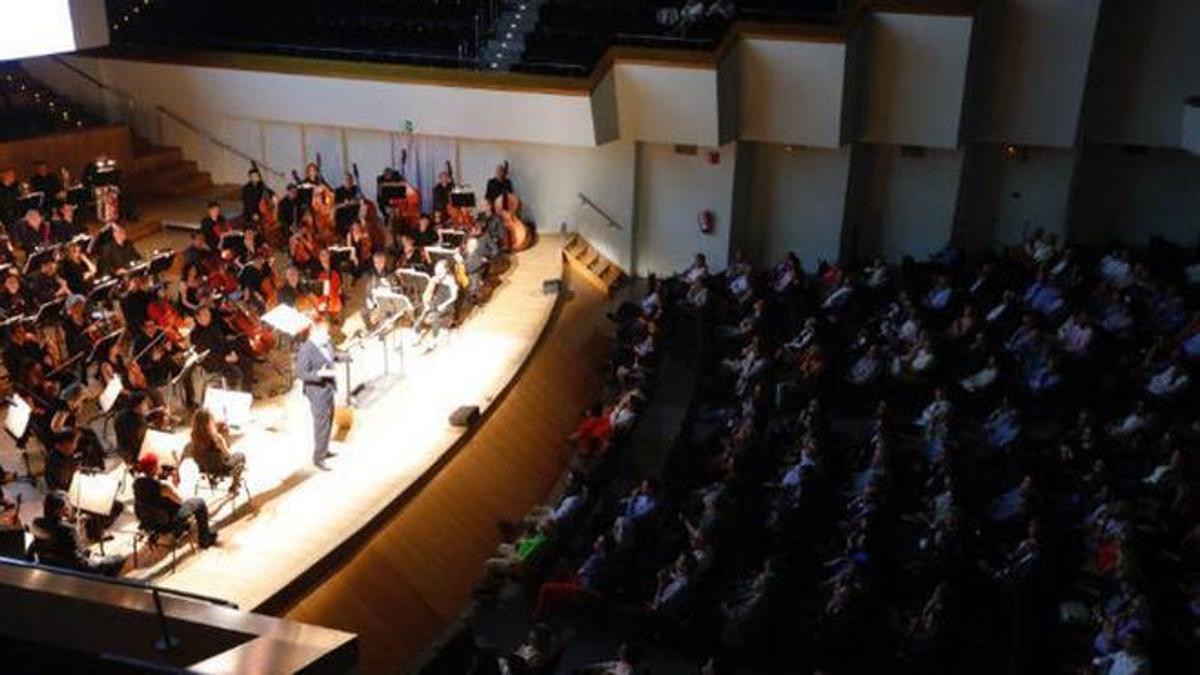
464, 416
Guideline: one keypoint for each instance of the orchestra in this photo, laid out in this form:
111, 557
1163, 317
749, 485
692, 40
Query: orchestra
85, 314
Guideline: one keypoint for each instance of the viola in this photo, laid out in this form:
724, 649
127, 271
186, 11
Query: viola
302, 248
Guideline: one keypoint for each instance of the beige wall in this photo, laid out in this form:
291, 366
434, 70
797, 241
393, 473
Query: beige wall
791, 91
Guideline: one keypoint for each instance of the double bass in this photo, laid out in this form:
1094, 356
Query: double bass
321, 205
508, 206
268, 210
460, 218
410, 211
368, 213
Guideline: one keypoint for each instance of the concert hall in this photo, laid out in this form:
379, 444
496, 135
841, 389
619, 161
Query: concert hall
600, 337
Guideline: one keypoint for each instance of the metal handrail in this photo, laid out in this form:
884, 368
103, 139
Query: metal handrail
612, 222
117, 581
131, 101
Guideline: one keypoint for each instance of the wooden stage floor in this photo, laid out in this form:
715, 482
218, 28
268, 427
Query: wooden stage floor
301, 517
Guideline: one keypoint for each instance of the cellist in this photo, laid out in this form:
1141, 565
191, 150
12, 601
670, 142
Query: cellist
330, 302
302, 246
254, 192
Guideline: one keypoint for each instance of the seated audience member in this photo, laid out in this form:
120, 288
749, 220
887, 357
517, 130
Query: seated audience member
160, 500
628, 662
587, 582
512, 559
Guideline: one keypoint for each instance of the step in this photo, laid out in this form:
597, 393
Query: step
611, 276
591, 256
140, 229
167, 173
155, 159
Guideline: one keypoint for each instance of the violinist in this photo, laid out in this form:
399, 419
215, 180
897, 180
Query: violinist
382, 300
62, 460
114, 364
158, 355
77, 269
26, 355
441, 192
193, 291
130, 426
331, 285
119, 253
213, 226
77, 328
198, 253
290, 293
413, 257
135, 304
437, 303
13, 298
253, 194
64, 227
32, 232
65, 421
425, 234
46, 285
225, 357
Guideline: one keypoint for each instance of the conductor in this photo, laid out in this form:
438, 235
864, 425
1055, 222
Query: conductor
314, 367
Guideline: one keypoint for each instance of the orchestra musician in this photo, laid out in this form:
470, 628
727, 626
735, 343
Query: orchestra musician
64, 226
441, 192
10, 192
130, 426
437, 303
226, 355
46, 285
302, 246
13, 298
47, 182
289, 293
411, 256
77, 269
346, 193
58, 543
424, 234
152, 495
213, 226
289, 209
361, 249
330, 279
383, 299
253, 194
499, 185
32, 232
315, 369
209, 448
119, 253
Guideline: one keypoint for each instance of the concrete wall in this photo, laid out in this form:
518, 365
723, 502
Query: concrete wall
902, 205
1029, 68
1006, 197
795, 202
791, 92
915, 77
1134, 196
1147, 61
671, 190
667, 104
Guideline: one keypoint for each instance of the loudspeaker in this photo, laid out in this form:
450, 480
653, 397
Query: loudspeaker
552, 286
464, 416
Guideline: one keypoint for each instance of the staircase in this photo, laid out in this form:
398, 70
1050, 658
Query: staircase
599, 271
160, 171
508, 35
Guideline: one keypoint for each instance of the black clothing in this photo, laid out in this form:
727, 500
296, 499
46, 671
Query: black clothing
42, 288
63, 230
130, 430
252, 195
136, 306
49, 185
208, 227
8, 203
289, 214
441, 196
497, 187
117, 256
73, 273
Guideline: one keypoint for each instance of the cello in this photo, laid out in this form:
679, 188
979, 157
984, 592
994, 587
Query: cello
459, 217
368, 213
322, 201
268, 209
411, 209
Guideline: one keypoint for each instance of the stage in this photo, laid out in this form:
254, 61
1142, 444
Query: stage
301, 517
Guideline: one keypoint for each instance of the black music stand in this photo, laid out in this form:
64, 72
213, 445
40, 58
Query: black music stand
106, 175
50, 311
234, 240
104, 344
79, 195
340, 255
38, 257
161, 261
304, 195
346, 213
34, 201
451, 238
102, 291
463, 199
83, 239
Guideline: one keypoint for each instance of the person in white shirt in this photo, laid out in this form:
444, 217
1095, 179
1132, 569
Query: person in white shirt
1076, 334
937, 411
1170, 381
1115, 268
981, 379
1132, 423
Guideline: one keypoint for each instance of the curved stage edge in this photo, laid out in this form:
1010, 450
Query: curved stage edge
304, 521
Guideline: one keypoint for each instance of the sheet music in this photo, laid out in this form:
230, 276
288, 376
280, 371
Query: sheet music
286, 319
95, 493
17, 419
108, 397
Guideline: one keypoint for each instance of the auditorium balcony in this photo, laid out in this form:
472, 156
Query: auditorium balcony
420, 32
29, 109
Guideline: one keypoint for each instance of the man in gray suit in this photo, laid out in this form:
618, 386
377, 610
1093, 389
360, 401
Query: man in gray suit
314, 367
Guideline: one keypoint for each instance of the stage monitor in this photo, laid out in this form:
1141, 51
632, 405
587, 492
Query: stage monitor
37, 27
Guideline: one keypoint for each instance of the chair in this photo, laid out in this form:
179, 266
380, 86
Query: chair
213, 475
155, 523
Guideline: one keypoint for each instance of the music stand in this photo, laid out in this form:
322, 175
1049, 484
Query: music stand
110, 394
34, 201
304, 194
451, 238
16, 422
346, 213
161, 261
107, 175
78, 195
229, 406
168, 447
392, 191
50, 311
462, 197
412, 281
339, 255
83, 239
286, 320
39, 256
94, 492
102, 290
101, 239
104, 344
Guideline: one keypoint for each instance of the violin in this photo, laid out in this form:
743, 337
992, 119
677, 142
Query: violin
302, 247
169, 320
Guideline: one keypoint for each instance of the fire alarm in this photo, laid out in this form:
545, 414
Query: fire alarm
714, 156
707, 220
